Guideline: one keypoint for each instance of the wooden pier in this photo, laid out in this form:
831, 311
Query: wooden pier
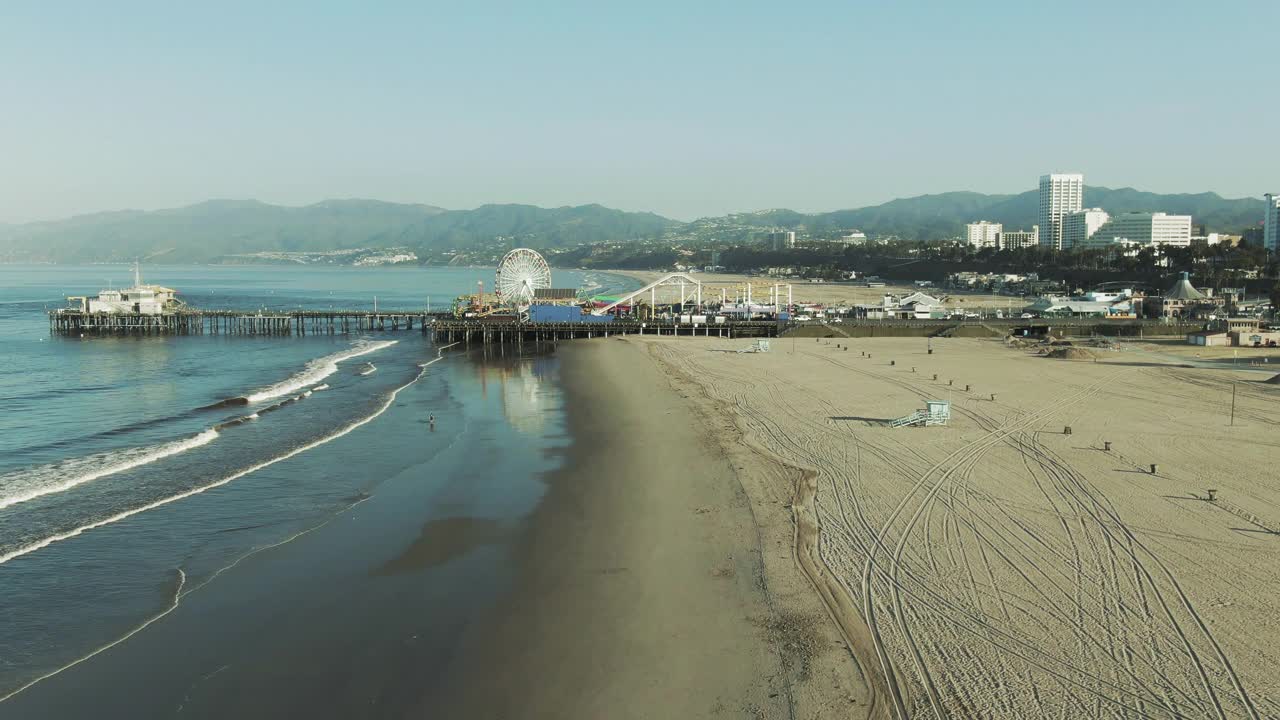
445, 328
236, 322
486, 332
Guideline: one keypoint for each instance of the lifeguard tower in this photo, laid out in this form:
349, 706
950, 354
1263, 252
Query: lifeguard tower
935, 412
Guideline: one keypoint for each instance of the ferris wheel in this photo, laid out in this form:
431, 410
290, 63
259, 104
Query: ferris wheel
520, 273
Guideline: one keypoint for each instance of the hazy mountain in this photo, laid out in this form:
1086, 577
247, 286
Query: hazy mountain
218, 230
211, 230
536, 227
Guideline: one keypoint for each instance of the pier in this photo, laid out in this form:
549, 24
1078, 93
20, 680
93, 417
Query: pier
235, 322
444, 327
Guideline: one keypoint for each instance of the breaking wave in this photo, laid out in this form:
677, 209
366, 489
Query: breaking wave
316, 370
76, 532
32, 483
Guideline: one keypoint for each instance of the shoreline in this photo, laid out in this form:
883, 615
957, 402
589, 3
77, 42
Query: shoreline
653, 581
785, 497
351, 616
768, 478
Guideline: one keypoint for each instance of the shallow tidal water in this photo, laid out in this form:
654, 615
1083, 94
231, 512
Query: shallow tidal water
297, 553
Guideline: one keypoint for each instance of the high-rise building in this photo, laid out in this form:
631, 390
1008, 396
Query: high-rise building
1144, 229
983, 234
1271, 224
1015, 239
1059, 194
782, 240
1079, 226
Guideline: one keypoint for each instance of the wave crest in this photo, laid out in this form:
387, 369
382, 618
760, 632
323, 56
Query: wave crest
6, 556
317, 370
32, 483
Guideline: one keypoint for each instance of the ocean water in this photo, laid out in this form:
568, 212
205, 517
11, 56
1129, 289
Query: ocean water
129, 494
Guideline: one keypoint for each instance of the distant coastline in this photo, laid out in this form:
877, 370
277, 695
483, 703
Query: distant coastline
215, 230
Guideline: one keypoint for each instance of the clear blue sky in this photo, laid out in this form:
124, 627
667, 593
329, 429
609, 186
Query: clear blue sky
683, 108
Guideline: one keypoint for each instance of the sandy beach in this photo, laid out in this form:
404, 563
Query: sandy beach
1003, 565
654, 583
716, 534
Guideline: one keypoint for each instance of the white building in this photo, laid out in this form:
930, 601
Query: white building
1144, 229
1079, 226
1271, 225
141, 299
782, 240
1060, 193
1210, 239
983, 234
1108, 295
853, 237
1014, 239
916, 306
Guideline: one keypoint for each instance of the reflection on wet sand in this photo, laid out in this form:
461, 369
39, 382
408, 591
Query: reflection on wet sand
521, 372
443, 540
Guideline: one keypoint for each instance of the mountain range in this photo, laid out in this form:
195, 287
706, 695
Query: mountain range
231, 230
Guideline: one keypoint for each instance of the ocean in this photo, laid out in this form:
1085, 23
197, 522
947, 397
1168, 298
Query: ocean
163, 551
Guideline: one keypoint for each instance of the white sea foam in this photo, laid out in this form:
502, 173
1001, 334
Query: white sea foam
317, 370
32, 483
179, 593
173, 605
369, 370
318, 388
75, 532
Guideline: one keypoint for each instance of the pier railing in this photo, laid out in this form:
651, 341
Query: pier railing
236, 322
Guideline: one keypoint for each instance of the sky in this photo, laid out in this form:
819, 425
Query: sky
687, 108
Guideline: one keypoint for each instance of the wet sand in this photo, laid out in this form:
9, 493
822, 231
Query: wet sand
654, 583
